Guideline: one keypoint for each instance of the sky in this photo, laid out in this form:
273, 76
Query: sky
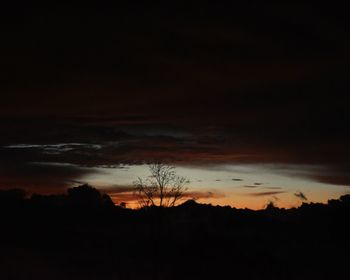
249, 101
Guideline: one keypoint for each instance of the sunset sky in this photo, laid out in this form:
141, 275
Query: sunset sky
248, 101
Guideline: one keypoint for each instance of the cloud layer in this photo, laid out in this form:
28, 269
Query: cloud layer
247, 83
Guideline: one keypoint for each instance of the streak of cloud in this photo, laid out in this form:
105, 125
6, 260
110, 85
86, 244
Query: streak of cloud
257, 194
301, 196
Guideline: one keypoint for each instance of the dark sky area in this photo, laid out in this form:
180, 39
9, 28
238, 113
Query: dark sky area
199, 83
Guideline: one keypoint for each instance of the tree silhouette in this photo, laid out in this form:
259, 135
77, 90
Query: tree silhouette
162, 188
86, 196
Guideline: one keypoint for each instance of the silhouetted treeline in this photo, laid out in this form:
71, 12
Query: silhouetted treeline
82, 235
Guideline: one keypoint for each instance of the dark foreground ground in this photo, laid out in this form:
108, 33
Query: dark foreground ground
83, 236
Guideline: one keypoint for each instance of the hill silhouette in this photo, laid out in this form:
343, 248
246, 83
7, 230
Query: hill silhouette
83, 235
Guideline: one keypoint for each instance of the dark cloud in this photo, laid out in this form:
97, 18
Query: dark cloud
40, 177
203, 194
266, 193
110, 146
301, 196
117, 189
55, 149
273, 188
227, 83
86, 62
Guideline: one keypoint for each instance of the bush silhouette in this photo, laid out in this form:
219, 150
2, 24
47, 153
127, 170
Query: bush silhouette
87, 197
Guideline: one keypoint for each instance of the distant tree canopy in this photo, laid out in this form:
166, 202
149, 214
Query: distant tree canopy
12, 197
83, 237
88, 197
163, 188
171, 190
343, 200
83, 197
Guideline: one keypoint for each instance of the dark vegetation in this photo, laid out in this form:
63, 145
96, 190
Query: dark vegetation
82, 235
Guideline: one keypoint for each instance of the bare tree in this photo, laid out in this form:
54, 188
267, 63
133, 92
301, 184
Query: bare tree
163, 188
